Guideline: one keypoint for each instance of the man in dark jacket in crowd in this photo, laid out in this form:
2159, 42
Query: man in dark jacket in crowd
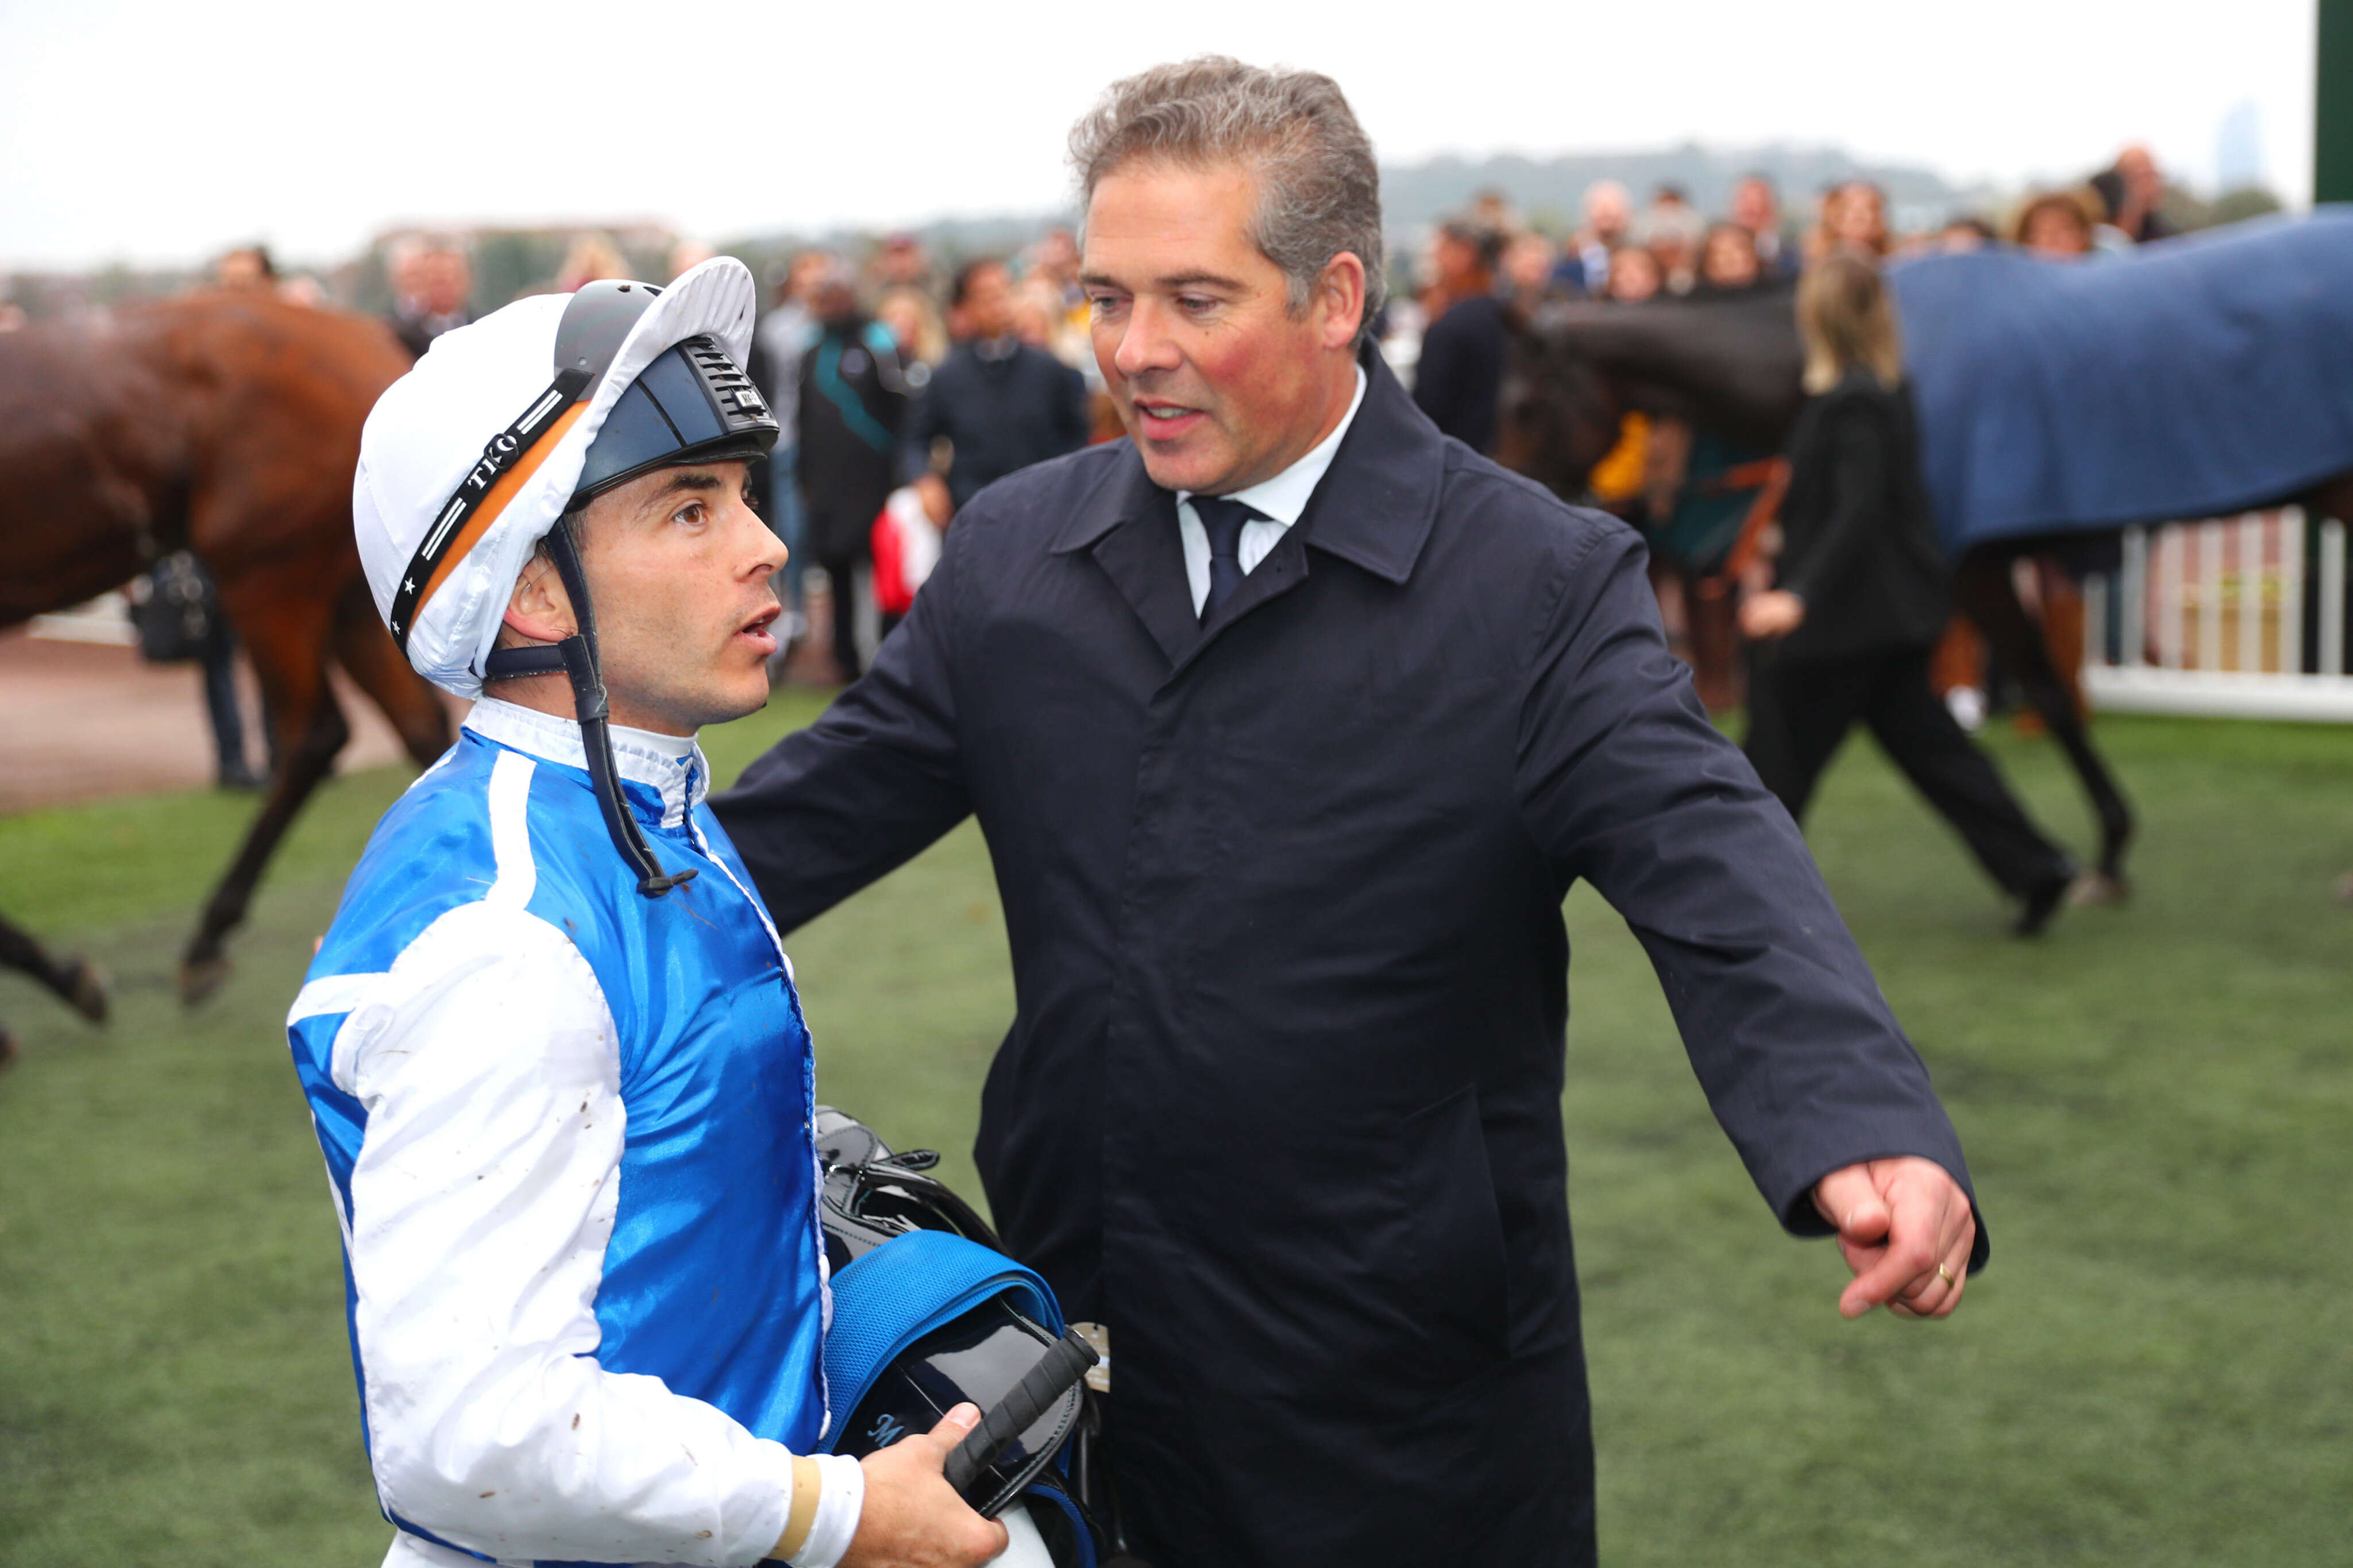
853, 401
1463, 353
1001, 404
432, 286
1289, 724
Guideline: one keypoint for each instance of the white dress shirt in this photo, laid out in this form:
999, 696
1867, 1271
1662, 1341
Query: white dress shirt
1282, 499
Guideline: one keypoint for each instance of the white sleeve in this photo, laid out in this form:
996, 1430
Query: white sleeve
481, 1203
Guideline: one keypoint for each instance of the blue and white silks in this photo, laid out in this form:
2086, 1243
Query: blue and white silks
567, 1130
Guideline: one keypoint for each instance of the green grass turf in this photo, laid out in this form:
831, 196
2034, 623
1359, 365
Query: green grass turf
2158, 1368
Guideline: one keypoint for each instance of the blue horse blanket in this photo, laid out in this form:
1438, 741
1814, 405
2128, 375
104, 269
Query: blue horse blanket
2194, 377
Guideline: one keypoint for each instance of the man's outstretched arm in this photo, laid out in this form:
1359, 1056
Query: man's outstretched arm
1625, 783
868, 786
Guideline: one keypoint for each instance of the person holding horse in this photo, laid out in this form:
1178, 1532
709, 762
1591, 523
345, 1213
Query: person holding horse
1863, 596
551, 1044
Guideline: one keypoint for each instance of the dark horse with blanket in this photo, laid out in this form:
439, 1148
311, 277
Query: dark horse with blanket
228, 425
2058, 402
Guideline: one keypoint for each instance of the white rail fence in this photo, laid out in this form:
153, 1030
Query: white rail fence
2235, 617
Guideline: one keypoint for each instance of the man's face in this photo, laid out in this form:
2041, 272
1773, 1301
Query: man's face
987, 305
902, 262
677, 563
241, 270
1057, 256
446, 280
1219, 382
1608, 213
833, 301
405, 271
1454, 261
1528, 264
808, 268
1753, 207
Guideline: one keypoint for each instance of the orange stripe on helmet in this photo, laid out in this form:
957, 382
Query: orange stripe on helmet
495, 503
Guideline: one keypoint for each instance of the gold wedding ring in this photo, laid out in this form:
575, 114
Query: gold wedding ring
1946, 1275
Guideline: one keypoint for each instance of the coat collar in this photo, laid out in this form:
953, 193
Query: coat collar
670, 766
1376, 507
1373, 509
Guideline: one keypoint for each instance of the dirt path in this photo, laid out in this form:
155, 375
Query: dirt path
80, 721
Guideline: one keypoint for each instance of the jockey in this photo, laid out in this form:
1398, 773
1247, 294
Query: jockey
552, 1046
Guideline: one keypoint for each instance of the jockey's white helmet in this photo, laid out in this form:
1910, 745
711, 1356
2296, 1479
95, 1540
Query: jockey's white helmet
468, 460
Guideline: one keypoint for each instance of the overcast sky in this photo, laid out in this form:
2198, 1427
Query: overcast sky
158, 133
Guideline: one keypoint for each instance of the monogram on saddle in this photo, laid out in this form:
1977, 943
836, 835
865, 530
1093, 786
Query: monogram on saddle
226, 423
2058, 403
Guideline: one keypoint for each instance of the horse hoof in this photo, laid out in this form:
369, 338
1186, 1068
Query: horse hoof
199, 978
2096, 889
85, 989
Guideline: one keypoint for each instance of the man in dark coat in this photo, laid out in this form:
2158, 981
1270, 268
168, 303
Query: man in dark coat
434, 285
1464, 354
853, 403
1290, 723
1001, 404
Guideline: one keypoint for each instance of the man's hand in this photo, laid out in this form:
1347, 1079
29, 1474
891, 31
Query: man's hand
913, 1518
1906, 1229
1771, 615
937, 504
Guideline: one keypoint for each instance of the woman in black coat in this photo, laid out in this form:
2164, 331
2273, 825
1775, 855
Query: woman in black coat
1863, 595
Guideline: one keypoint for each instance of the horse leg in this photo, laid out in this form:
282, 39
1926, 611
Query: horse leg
77, 980
368, 655
1988, 595
1716, 666
288, 643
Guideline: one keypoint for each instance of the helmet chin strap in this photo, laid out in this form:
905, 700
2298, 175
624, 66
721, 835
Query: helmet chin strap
576, 656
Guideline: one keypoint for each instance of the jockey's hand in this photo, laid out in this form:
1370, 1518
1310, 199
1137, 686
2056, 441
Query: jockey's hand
913, 1518
1775, 613
1906, 1229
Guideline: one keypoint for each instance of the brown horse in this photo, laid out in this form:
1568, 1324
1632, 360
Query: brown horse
228, 423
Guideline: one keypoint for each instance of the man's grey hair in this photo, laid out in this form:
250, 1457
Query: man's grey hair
1319, 190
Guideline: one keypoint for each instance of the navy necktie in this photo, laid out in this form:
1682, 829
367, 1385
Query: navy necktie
1221, 519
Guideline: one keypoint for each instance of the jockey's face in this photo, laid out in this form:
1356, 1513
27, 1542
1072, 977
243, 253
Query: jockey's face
677, 563
1220, 382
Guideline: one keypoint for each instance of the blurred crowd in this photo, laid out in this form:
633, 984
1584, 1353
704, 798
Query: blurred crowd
1670, 247
903, 387
903, 383
1690, 492
906, 379
1489, 258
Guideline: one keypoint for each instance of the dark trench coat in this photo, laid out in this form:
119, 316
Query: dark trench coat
1280, 1101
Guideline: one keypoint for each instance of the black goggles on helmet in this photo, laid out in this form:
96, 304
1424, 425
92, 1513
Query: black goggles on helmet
693, 403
